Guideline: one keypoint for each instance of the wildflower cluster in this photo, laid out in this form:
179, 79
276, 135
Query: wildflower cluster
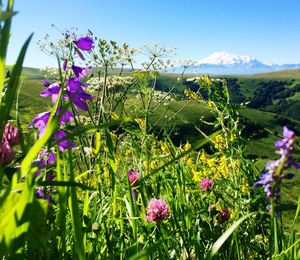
74, 93
216, 166
273, 173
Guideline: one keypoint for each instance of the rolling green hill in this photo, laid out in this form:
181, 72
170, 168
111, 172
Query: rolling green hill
284, 74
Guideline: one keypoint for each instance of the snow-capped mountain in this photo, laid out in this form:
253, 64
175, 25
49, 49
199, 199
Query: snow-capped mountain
225, 58
223, 63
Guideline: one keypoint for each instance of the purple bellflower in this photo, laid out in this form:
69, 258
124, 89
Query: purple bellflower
52, 90
63, 143
76, 94
40, 122
81, 72
85, 43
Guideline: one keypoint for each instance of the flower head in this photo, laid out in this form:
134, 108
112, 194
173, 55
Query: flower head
76, 94
63, 143
206, 184
157, 210
133, 177
6, 153
81, 72
10, 134
52, 90
40, 122
85, 43
66, 117
40, 193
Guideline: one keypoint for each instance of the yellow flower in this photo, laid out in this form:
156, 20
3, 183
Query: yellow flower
106, 172
115, 116
164, 147
191, 94
141, 123
196, 176
153, 165
219, 142
245, 186
205, 80
223, 167
190, 163
187, 146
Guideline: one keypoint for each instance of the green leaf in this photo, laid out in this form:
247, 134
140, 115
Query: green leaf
6, 15
36, 235
4, 38
217, 245
13, 84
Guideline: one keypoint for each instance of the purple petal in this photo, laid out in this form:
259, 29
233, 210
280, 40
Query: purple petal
288, 133
40, 122
81, 72
85, 43
280, 144
52, 91
66, 117
40, 193
63, 144
46, 83
258, 184
80, 103
73, 84
65, 63
51, 158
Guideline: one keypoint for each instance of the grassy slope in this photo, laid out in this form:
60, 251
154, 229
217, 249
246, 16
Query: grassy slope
284, 74
183, 124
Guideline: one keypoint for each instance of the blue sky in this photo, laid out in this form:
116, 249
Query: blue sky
266, 29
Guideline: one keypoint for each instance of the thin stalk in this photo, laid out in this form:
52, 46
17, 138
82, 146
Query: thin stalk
74, 210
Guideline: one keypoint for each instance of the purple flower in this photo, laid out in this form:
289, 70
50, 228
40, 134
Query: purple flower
10, 134
133, 177
66, 117
76, 94
85, 43
40, 193
46, 83
40, 122
63, 143
157, 210
6, 153
45, 158
52, 90
206, 184
81, 72
273, 174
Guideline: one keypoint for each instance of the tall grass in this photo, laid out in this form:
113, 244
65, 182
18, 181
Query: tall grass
92, 179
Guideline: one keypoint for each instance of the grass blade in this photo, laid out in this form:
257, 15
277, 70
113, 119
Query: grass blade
217, 245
